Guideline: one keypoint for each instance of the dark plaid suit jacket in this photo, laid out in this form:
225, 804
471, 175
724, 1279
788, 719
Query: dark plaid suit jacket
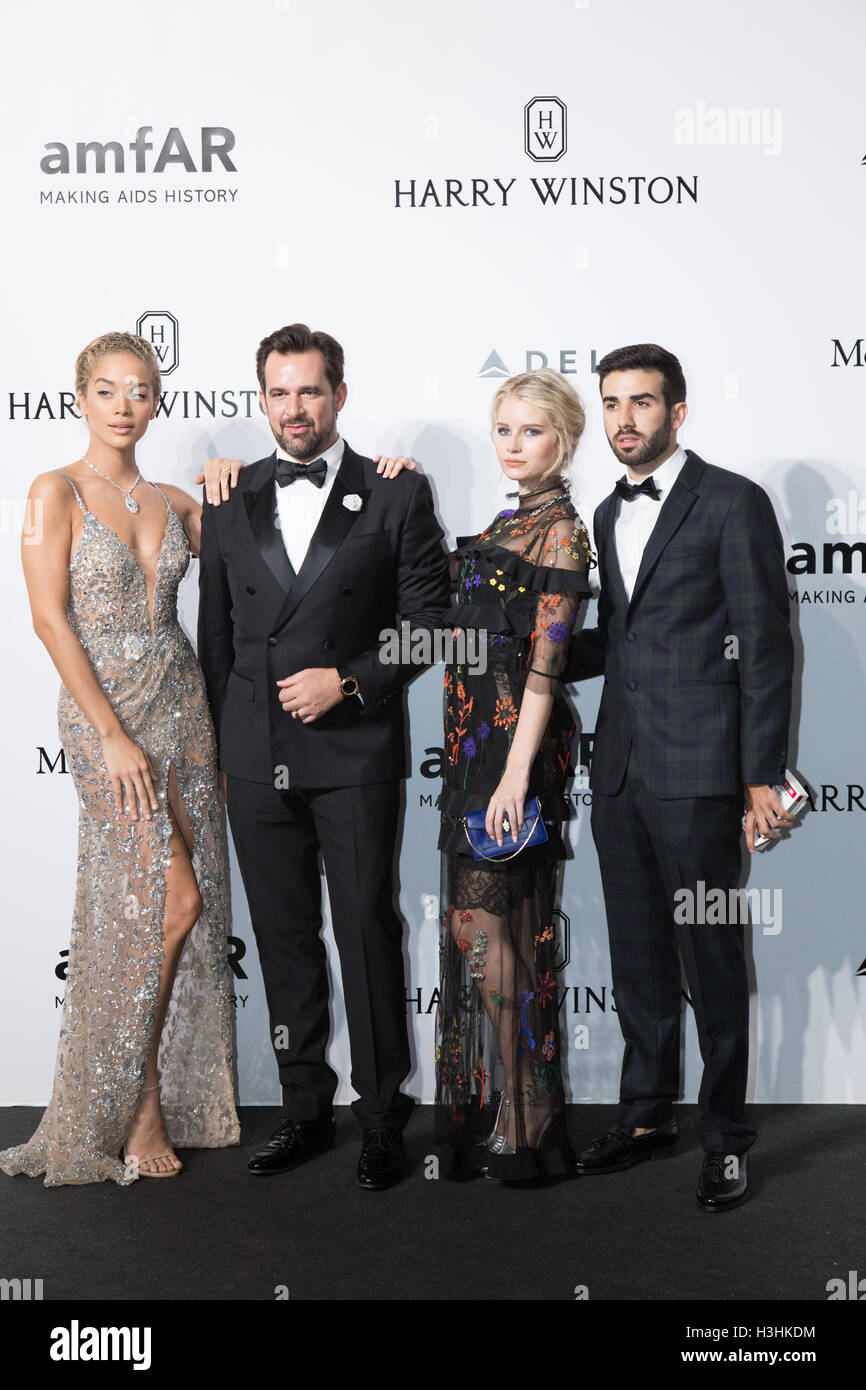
698, 664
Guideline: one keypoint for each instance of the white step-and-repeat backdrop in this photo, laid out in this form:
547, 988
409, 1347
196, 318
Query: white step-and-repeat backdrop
457, 192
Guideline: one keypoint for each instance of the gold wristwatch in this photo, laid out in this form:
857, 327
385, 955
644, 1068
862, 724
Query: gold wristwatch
348, 685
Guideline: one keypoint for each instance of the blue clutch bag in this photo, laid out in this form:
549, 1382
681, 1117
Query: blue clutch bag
483, 846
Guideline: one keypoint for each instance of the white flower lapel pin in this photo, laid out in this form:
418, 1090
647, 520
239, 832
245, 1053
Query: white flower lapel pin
352, 502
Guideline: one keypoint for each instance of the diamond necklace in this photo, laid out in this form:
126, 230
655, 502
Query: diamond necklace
131, 504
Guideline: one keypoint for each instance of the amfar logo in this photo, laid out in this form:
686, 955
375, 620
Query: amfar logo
545, 125
820, 559
91, 156
236, 953
160, 329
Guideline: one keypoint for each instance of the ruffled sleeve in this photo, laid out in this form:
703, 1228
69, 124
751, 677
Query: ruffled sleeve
498, 590
563, 557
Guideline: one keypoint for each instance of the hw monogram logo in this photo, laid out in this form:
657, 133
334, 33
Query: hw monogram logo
160, 329
544, 124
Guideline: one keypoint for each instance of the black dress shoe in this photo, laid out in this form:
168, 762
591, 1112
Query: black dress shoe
292, 1143
619, 1149
382, 1162
723, 1182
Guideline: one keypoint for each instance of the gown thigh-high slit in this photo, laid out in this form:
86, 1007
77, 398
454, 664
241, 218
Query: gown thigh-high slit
148, 671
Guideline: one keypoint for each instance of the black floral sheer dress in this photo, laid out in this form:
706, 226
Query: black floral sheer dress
519, 586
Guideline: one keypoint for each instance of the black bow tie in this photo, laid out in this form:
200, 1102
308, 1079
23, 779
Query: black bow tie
288, 470
630, 490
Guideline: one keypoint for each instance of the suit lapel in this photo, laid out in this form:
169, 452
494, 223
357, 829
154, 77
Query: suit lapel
334, 525
261, 509
674, 510
607, 547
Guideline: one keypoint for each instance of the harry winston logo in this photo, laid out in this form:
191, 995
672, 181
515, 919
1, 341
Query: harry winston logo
160, 328
544, 125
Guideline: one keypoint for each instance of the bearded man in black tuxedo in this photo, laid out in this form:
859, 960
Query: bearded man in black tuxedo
312, 556
694, 643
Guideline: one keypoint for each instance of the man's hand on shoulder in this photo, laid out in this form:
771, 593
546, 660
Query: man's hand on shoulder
390, 467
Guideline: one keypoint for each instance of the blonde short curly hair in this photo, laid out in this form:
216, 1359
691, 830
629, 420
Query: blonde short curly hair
551, 392
116, 342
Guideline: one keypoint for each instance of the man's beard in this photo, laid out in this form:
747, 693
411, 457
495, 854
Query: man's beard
649, 449
306, 446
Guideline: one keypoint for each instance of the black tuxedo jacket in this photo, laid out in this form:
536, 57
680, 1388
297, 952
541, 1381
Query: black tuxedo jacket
704, 713
369, 566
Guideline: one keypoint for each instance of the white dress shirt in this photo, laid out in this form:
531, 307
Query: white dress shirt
300, 504
636, 519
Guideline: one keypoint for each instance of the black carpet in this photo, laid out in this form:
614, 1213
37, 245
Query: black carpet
218, 1233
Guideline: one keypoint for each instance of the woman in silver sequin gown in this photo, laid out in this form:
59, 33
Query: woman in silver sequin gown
145, 1056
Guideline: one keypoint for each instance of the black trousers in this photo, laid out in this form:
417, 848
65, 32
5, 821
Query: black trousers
649, 851
278, 835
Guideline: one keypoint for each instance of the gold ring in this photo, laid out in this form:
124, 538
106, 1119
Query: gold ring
295, 714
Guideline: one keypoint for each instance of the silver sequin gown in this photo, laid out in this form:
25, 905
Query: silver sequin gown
152, 679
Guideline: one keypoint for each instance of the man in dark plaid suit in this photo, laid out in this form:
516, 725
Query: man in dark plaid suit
694, 642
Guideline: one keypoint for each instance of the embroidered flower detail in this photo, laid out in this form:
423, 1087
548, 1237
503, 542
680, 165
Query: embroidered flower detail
482, 1076
464, 916
470, 748
505, 713
482, 732
545, 987
352, 502
557, 632
547, 1046
547, 605
461, 944
496, 997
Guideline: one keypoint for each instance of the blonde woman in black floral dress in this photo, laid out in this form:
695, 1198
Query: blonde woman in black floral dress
509, 735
